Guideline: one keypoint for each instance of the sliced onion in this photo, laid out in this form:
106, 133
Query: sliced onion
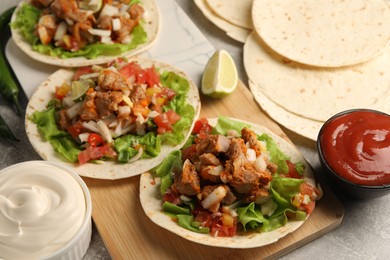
60, 32
153, 114
116, 24
124, 110
73, 110
251, 155
91, 126
99, 32
137, 156
109, 10
214, 197
260, 164
216, 171
83, 137
104, 131
68, 101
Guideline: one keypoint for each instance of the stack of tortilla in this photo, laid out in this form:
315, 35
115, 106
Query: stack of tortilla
231, 16
307, 60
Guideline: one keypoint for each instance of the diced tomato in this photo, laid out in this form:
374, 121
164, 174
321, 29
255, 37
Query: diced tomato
168, 93
202, 126
307, 189
95, 139
81, 71
204, 218
309, 207
165, 121
75, 129
292, 171
152, 77
173, 117
172, 196
220, 230
133, 69
93, 153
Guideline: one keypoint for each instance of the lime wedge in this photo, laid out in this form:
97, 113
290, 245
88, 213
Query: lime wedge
80, 87
220, 76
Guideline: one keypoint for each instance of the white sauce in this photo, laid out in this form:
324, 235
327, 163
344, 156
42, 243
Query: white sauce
42, 207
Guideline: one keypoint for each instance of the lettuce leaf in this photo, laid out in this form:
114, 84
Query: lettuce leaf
61, 141
282, 191
224, 124
26, 19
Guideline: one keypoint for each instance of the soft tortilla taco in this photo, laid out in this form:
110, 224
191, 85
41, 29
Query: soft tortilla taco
234, 184
112, 121
74, 33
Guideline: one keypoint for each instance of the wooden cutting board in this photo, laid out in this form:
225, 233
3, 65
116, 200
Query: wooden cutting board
129, 234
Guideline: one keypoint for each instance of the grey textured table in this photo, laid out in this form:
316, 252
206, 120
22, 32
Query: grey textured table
364, 233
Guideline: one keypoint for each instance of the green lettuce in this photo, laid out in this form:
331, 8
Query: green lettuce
28, 17
282, 190
61, 141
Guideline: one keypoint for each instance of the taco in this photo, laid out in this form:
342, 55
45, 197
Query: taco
233, 184
112, 121
74, 33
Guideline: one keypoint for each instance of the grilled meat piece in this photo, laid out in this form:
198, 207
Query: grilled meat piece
214, 144
187, 182
88, 109
249, 136
211, 173
107, 102
240, 173
110, 80
209, 159
138, 93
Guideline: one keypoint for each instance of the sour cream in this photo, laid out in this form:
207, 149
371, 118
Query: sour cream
42, 207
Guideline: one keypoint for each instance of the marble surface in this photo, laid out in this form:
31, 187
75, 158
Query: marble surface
365, 230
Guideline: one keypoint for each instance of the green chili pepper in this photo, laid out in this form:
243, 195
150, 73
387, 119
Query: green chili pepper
9, 88
5, 131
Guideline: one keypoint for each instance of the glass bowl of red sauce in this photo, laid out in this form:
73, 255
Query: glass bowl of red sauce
354, 151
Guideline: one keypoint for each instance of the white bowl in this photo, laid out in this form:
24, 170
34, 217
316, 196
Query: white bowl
33, 182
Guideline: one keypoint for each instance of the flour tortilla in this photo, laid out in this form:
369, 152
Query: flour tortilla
151, 26
300, 125
317, 93
151, 202
233, 11
324, 33
233, 31
109, 169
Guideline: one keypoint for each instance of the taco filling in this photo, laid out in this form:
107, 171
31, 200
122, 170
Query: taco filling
121, 112
228, 180
81, 28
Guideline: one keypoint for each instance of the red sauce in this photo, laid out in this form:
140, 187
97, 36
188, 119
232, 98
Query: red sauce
357, 146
